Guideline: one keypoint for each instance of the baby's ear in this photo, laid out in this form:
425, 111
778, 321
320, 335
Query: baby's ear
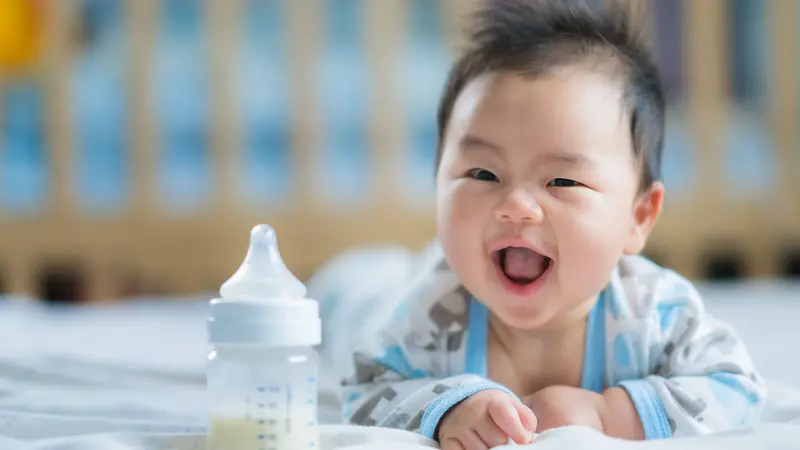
646, 209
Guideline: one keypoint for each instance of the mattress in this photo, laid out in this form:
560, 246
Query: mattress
130, 375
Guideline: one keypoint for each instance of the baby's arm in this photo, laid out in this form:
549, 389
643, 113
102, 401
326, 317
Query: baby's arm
700, 376
389, 392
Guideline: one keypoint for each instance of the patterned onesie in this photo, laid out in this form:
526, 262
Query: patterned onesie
686, 372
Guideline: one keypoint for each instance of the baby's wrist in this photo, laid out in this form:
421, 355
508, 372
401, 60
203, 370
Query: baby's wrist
619, 416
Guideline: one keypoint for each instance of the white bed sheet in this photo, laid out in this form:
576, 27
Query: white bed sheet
130, 376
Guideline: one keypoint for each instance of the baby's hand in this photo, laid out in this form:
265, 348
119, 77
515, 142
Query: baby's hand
611, 412
486, 420
558, 406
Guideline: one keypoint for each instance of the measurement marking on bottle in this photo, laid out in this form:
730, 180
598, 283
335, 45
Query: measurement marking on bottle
288, 406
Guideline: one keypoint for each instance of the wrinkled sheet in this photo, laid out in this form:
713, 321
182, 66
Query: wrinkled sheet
130, 375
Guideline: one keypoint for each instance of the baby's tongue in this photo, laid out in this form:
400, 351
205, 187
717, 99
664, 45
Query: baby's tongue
523, 263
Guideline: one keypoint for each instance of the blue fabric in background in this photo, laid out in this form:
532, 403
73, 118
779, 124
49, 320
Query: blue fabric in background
24, 176
181, 103
426, 61
345, 90
99, 86
263, 102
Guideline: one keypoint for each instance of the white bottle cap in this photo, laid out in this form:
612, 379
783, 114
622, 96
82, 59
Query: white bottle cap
263, 303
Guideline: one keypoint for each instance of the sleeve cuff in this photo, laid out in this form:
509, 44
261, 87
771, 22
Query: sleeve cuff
433, 415
650, 408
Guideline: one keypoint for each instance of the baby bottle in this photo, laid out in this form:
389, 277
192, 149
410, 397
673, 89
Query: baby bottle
262, 368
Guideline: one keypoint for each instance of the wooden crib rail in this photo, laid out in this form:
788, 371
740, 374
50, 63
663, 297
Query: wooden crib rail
710, 233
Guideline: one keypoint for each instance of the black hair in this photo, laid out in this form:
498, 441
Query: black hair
530, 37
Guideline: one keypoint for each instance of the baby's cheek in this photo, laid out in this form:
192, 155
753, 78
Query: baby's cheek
589, 252
460, 245
459, 217
462, 242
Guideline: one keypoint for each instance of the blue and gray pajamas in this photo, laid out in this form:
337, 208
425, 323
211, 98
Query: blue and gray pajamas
687, 373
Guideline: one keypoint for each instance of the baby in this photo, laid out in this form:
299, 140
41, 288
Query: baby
536, 311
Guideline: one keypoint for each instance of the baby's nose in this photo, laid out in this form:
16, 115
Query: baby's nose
519, 207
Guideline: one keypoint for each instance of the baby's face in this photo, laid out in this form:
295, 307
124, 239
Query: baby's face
537, 193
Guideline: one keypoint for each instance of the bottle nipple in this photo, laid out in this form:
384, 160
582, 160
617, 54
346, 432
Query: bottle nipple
262, 274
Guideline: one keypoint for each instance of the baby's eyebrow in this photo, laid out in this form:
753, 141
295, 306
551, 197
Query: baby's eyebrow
559, 156
573, 159
470, 142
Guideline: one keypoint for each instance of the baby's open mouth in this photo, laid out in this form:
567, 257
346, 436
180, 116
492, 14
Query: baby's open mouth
521, 265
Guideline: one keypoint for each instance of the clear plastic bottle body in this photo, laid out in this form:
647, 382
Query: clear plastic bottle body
262, 398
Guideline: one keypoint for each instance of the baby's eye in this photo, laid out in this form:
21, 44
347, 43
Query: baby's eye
562, 182
483, 175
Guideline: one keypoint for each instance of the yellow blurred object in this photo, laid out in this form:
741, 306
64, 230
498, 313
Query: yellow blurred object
20, 33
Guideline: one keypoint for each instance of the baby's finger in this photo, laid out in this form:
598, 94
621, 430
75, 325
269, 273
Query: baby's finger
528, 418
491, 434
472, 441
505, 415
451, 444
